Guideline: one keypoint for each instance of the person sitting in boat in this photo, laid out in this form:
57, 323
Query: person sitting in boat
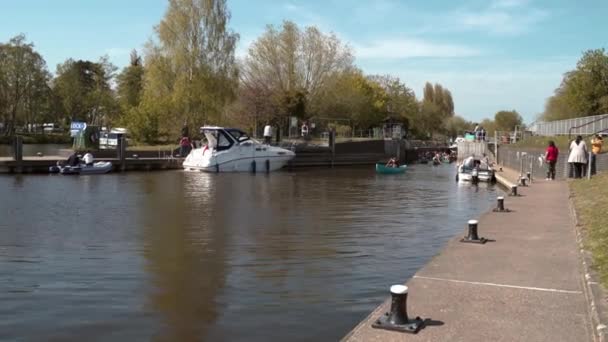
88, 158
393, 162
73, 160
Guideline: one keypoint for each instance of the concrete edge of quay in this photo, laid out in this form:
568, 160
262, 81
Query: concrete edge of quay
588, 299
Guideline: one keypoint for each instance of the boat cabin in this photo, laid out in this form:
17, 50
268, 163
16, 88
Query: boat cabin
222, 139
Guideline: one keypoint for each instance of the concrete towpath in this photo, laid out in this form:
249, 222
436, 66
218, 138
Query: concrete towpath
526, 285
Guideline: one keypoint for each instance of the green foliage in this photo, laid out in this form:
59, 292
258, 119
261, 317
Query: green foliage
456, 125
507, 120
83, 88
130, 83
584, 91
24, 90
191, 73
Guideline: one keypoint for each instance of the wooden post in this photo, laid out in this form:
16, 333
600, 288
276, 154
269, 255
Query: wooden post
18, 153
121, 150
332, 145
496, 146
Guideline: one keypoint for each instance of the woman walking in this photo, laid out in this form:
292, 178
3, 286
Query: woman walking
578, 156
551, 158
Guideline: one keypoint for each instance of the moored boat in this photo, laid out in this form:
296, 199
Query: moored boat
232, 150
383, 169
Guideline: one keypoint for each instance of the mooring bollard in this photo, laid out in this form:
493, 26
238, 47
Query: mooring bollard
397, 319
529, 176
472, 236
500, 205
522, 181
513, 191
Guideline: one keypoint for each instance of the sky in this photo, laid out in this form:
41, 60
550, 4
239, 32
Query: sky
491, 54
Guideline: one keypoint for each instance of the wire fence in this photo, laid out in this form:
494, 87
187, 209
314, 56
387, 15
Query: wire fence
578, 126
530, 160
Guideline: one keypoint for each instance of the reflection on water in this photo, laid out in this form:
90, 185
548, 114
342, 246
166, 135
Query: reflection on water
182, 256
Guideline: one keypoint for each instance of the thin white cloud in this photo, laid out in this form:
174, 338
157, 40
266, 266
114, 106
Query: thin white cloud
402, 48
503, 17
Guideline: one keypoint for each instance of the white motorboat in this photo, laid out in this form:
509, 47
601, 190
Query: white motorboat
232, 150
475, 170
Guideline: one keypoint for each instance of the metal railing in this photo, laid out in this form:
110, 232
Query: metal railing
578, 126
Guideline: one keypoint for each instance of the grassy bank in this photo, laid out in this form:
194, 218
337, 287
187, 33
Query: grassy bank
591, 201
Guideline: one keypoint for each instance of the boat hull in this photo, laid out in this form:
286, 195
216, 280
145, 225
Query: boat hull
383, 169
251, 164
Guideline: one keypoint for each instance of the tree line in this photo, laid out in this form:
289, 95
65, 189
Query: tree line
583, 91
189, 75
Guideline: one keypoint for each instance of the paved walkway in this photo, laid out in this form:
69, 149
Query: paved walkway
525, 286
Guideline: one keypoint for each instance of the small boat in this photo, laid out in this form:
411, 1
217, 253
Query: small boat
83, 169
475, 170
383, 169
232, 150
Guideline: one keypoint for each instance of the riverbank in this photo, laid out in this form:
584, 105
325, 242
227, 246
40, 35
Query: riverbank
524, 285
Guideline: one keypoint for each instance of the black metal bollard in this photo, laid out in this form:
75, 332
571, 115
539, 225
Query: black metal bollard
500, 205
522, 181
397, 319
529, 176
472, 236
513, 191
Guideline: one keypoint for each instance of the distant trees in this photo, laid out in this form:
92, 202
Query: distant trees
84, 90
130, 83
583, 91
24, 84
504, 120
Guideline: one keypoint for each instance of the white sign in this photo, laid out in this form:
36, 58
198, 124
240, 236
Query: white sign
77, 127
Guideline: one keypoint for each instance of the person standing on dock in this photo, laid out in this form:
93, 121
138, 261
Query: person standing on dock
596, 148
267, 134
184, 146
551, 159
578, 156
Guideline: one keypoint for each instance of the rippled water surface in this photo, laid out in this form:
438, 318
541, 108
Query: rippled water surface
179, 256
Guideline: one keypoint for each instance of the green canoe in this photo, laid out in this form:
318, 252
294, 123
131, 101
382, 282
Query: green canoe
382, 168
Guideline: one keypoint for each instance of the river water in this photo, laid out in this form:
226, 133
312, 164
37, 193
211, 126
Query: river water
180, 256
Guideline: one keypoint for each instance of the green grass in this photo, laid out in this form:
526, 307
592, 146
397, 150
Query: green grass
591, 202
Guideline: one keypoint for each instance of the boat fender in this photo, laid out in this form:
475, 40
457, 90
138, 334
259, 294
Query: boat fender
253, 166
267, 165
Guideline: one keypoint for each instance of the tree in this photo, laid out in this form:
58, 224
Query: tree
130, 83
583, 91
507, 120
84, 90
456, 125
24, 90
294, 67
191, 74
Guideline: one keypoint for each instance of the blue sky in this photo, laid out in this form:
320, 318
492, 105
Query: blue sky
492, 55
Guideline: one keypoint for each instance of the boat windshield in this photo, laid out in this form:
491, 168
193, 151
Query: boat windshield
238, 135
217, 139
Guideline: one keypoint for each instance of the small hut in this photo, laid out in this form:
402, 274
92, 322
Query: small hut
395, 128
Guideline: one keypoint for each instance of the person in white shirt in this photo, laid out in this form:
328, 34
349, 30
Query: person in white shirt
267, 134
88, 158
578, 156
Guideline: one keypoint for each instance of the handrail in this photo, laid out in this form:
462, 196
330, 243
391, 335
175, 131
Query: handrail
586, 124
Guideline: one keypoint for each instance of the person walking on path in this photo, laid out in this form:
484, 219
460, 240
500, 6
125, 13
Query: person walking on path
578, 156
267, 134
551, 158
596, 148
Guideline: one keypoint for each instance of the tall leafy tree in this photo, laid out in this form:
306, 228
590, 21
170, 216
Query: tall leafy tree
295, 67
191, 73
583, 91
24, 78
130, 83
84, 90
